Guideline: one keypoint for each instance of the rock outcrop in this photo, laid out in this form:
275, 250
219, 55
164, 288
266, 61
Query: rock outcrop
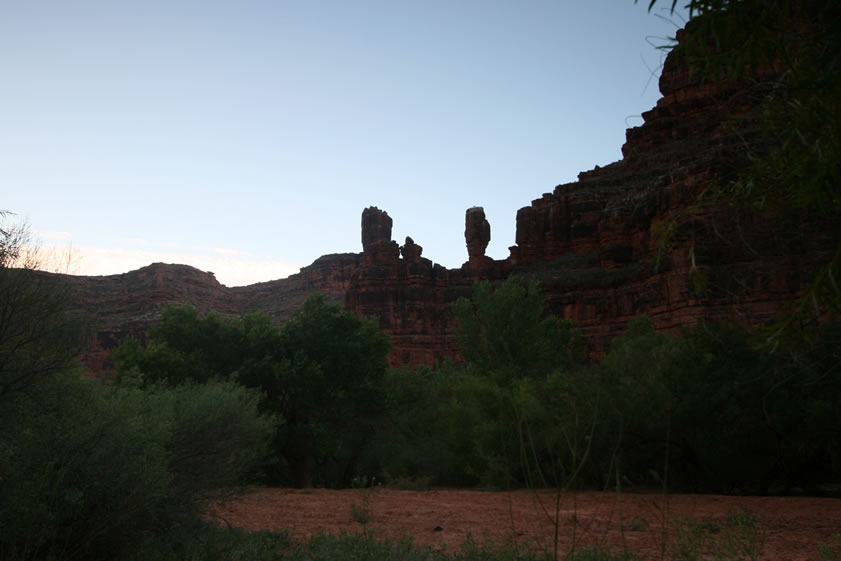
625, 239
377, 245
126, 305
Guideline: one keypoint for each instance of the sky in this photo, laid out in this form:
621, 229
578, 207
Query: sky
246, 137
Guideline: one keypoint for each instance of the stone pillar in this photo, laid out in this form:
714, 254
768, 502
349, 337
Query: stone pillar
477, 233
377, 245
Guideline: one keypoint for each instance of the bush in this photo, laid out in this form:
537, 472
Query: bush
322, 373
504, 412
217, 439
90, 471
203, 541
413, 447
720, 414
84, 473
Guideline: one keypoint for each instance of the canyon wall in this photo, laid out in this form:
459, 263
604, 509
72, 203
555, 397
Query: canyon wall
126, 305
629, 238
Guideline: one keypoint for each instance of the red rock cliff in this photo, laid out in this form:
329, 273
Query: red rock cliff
127, 305
596, 246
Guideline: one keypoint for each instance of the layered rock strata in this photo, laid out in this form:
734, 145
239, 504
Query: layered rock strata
625, 239
126, 305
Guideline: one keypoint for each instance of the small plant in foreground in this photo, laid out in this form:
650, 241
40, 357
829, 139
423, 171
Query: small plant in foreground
407, 483
206, 541
738, 537
637, 524
742, 536
361, 547
831, 551
363, 512
601, 554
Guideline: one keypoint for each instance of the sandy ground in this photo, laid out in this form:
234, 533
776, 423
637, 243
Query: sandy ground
444, 517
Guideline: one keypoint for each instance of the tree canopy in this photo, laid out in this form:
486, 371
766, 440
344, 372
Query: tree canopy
321, 373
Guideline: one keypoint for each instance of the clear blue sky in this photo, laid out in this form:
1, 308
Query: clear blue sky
245, 137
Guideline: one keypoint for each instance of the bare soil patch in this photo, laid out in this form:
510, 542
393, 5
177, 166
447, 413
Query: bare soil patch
445, 517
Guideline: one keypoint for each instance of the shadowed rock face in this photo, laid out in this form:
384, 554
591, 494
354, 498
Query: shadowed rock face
126, 305
410, 251
376, 227
377, 245
477, 232
595, 246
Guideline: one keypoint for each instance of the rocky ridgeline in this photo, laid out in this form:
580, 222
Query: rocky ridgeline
596, 246
126, 305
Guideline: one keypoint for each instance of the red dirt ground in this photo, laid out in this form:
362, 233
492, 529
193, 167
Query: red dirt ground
444, 517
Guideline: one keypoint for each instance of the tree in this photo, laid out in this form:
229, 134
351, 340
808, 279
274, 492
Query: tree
41, 332
709, 412
185, 346
505, 328
89, 470
503, 412
331, 391
321, 374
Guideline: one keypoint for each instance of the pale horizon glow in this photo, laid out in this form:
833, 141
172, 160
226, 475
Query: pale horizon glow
246, 138
230, 267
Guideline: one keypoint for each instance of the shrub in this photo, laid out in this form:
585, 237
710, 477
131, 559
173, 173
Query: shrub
90, 471
84, 473
203, 541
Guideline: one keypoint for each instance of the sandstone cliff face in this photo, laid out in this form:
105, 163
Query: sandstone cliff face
626, 239
409, 295
126, 305
631, 238
596, 245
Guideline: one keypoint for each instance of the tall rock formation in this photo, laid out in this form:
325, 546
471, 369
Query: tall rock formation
477, 235
625, 239
408, 294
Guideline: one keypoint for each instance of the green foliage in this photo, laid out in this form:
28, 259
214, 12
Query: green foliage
710, 412
217, 438
322, 374
83, 473
331, 393
90, 471
504, 412
362, 547
368, 547
506, 330
203, 541
41, 334
738, 537
831, 551
410, 448
601, 554
185, 346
